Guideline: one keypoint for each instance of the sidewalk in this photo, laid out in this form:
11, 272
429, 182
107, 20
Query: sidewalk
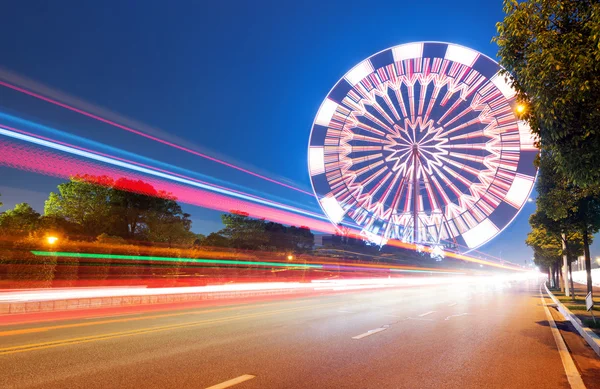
578, 306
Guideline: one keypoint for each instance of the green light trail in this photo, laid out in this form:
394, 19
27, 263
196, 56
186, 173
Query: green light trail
171, 259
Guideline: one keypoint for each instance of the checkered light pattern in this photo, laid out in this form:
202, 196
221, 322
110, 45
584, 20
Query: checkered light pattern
450, 106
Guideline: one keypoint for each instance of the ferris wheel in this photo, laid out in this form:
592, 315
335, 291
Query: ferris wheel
421, 143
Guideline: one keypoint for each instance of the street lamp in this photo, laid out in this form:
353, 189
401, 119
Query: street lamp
521, 108
51, 240
290, 257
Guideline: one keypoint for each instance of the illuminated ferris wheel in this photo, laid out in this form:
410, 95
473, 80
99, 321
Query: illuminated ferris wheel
421, 143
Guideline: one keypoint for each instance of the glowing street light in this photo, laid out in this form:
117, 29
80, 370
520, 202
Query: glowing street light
521, 108
290, 257
51, 240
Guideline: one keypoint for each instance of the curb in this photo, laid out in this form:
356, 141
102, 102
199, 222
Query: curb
123, 301
590, 337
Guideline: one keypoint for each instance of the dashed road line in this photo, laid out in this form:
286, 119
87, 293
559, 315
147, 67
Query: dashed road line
458, 315
233, 381
451, 305
426, 313
371, 332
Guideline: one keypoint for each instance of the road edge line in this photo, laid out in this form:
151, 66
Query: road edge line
571, 371
586, 333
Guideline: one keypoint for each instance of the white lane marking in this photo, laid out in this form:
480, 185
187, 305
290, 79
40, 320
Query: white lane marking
570, 369
451, 305
417, 318
460, 314
370, 332
426, 313
231, 382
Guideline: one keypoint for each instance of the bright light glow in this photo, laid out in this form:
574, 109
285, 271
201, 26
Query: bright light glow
51, 240
460, 282
521, 108
290, 257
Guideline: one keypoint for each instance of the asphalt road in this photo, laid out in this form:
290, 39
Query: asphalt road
430, 337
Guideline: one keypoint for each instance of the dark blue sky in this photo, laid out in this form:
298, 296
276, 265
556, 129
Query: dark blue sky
238, 79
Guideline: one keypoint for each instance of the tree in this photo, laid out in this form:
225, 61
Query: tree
303, 240
215, 239
575, 209
19, 221
551, 52
125, 208
244, 232
84, 202
547, 249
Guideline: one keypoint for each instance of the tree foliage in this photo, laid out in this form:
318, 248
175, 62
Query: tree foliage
243, 232
101, 205
19, 221
551, 52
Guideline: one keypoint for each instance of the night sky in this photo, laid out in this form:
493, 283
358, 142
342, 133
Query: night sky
240, 80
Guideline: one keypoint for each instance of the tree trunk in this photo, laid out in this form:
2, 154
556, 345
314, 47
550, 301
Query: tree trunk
558, 274
571, 279
565, 266
588, 260
550, 280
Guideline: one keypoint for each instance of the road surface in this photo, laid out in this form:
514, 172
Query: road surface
421, 337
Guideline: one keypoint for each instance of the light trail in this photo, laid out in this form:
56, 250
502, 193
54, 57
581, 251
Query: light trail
314, 285
289, 265
99, 148
140, 133
148, 136
131, 165
61, 166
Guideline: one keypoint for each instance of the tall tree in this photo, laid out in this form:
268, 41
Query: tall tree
575, 208
551, 52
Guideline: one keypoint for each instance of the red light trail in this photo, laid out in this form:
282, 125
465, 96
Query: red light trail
59, 165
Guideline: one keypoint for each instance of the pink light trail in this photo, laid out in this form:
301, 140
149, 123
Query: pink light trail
148, 136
